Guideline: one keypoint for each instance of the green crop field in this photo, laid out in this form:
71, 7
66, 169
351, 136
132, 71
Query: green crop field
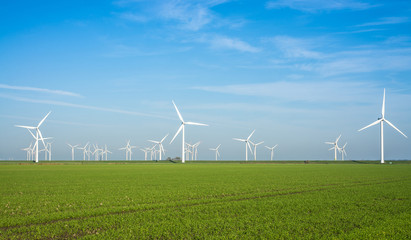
205, 200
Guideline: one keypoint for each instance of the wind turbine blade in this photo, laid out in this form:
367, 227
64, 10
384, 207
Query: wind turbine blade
41, 137
153, 141
251, 135
239, 139
218, 146
249, 146
41, 122
338, 138
178, 112
331, 148
164, 138
383, 105
178, 131
267, 147
372, 124
329, 143
392, 125
27, 127
194, 123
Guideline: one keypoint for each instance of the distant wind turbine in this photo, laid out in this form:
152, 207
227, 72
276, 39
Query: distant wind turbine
255, 149
335, 147
72, 150
160, 145
182, 129
217, 153
381, 121
343, 152
247, 144
37, 137
272, 150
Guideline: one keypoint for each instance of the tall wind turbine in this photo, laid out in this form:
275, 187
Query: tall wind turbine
160, 145
381, 121
84, 150
335, 147
255, 149
217, 153
38, 136
72, 150
272, 151
183, 160
246, 141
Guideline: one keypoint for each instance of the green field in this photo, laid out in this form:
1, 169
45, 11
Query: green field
204, 200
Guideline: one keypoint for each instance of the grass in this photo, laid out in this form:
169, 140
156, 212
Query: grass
203, 200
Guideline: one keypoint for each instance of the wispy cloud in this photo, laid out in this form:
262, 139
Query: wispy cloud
319, 5
386, 21
309, 55
189, 15
318, 92
35, 89
222, 42
296, 47
72, 105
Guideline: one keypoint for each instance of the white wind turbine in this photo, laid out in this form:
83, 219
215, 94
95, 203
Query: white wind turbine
182, 128
29, 152
217, 153
343, 152
84, 150
49, 150
160, 145
72, 150
255, 149
195, 150
247, 144
145, 150
335, 147
381, 121
272, 150
37, 137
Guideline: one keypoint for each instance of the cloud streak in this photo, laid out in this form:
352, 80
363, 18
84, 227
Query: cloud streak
72, 105
386, 21
44, 90
222, 42
319, 5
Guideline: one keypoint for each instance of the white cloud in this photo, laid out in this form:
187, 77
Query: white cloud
318, 5
296, 47
73, 105
232, 43
35, 89
386, 21
304, 54
310, 92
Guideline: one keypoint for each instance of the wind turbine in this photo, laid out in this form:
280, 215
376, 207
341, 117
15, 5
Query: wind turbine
246, 141
84, 150
343, 152
255, 149
72, 150
160, 145
381, 121
38, 134
183, 160
195, 150
272, 151
29, 152
217, 153
335, 147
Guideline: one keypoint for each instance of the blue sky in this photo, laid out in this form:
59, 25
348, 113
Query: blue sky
299, 72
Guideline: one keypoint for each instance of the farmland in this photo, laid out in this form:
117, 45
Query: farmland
205, 200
